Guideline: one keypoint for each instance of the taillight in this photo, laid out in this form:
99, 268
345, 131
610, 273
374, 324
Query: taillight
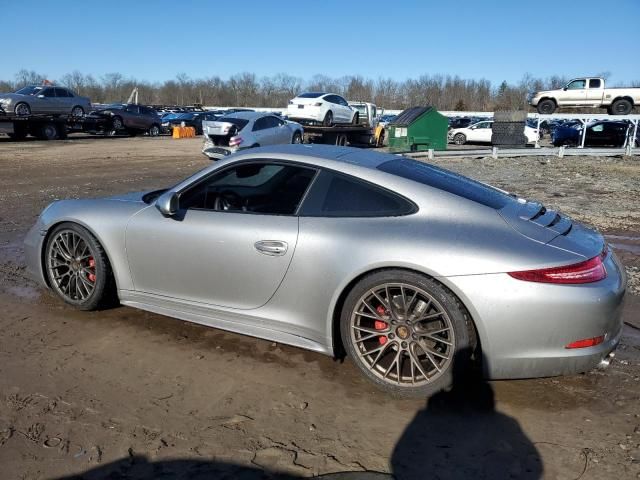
586, 342
235, 141
589, 271
317, 104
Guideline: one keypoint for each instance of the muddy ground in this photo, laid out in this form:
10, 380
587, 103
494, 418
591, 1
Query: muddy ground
128, 394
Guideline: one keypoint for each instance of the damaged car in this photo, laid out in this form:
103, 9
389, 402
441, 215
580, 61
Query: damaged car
242, 130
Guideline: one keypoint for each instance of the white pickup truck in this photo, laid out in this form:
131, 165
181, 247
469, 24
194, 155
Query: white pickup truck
586, 92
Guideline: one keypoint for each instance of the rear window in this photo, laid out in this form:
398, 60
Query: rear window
238, 122
310, 95
448, 181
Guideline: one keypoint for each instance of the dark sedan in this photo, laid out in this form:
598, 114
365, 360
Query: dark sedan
190, 119
131, 118
599, 134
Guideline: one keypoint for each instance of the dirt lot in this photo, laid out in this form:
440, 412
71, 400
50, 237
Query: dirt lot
128, 394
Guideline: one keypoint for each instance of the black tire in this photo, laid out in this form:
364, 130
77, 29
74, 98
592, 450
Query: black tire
622, 106
356, 119
297, 138
77, 111
546, 106
117, 123
47, 131
328, 119
22, 109
459, 139
154, 130
461, 339
103, 293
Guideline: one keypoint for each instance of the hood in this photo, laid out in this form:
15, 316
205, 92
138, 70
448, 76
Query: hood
129, 197
12, 96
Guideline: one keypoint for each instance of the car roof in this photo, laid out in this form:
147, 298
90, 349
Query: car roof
247, 115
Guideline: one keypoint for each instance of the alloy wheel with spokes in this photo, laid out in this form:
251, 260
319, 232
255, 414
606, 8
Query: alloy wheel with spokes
405, 334
72, 266
76, 266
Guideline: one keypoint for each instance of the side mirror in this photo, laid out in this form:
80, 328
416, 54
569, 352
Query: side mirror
167, 203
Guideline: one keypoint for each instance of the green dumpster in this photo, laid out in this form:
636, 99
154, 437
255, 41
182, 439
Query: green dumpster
418, 128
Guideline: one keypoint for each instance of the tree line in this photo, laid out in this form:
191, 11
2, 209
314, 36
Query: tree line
444, 92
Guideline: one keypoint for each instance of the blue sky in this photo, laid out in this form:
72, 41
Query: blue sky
155, 40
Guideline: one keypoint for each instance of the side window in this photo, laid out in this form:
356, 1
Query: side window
61, 92
48, 92
577, 85
132, 109
262, 188
260, 124
598, 128
330, 99
595, 83
272, 122
338, 195
341, 101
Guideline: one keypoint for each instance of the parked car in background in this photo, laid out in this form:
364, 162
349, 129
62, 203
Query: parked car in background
460, 122
481, 133
242, 130
325, 108
44, 99
190, 119
598, 134
132, 118
386, 120
586, 92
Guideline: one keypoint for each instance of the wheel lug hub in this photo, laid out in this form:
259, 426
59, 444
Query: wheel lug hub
404, 344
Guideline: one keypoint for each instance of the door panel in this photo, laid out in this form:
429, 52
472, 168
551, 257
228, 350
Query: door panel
210, 257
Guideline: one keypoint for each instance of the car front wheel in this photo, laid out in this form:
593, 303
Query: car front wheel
77, 267
297, 138
404, 331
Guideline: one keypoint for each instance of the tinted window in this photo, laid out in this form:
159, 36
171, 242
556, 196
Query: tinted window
310, 95
340, 100
132, 109
31, 90
48, 92
337, 195
265, 188
61, 92
260, 124
448, 181
594, 83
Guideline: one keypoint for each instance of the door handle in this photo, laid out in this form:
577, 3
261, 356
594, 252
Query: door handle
271, 247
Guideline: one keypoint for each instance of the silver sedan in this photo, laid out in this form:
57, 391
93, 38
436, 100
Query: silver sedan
44, 99
241, 130
404, 266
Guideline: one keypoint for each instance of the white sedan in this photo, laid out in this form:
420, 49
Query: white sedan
481, 133
326, 108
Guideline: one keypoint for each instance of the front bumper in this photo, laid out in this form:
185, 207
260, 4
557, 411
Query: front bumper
524, 327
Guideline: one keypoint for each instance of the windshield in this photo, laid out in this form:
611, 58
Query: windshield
448, 181
30, 90
360, 108
310, 95
238, 122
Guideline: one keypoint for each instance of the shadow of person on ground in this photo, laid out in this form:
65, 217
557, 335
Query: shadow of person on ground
460, 435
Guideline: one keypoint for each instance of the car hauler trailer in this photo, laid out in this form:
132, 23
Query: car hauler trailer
51, 126
365, 134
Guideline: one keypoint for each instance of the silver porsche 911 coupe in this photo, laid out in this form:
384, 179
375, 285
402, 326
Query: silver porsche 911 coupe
398, 263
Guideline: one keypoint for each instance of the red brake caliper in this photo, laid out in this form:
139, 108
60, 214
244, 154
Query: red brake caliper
380, 325
92, 264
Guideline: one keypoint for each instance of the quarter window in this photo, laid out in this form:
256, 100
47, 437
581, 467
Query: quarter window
594, 83
338, 195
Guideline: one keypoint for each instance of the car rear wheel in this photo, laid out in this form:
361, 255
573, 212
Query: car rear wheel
22, 109
621, 107
77, 111
459, 139
297, 138
328, 119
404, 331
546, 107
77, 268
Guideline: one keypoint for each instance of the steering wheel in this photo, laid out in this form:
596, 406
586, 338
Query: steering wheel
228, 200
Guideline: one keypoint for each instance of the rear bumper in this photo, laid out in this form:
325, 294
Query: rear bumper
524, 327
